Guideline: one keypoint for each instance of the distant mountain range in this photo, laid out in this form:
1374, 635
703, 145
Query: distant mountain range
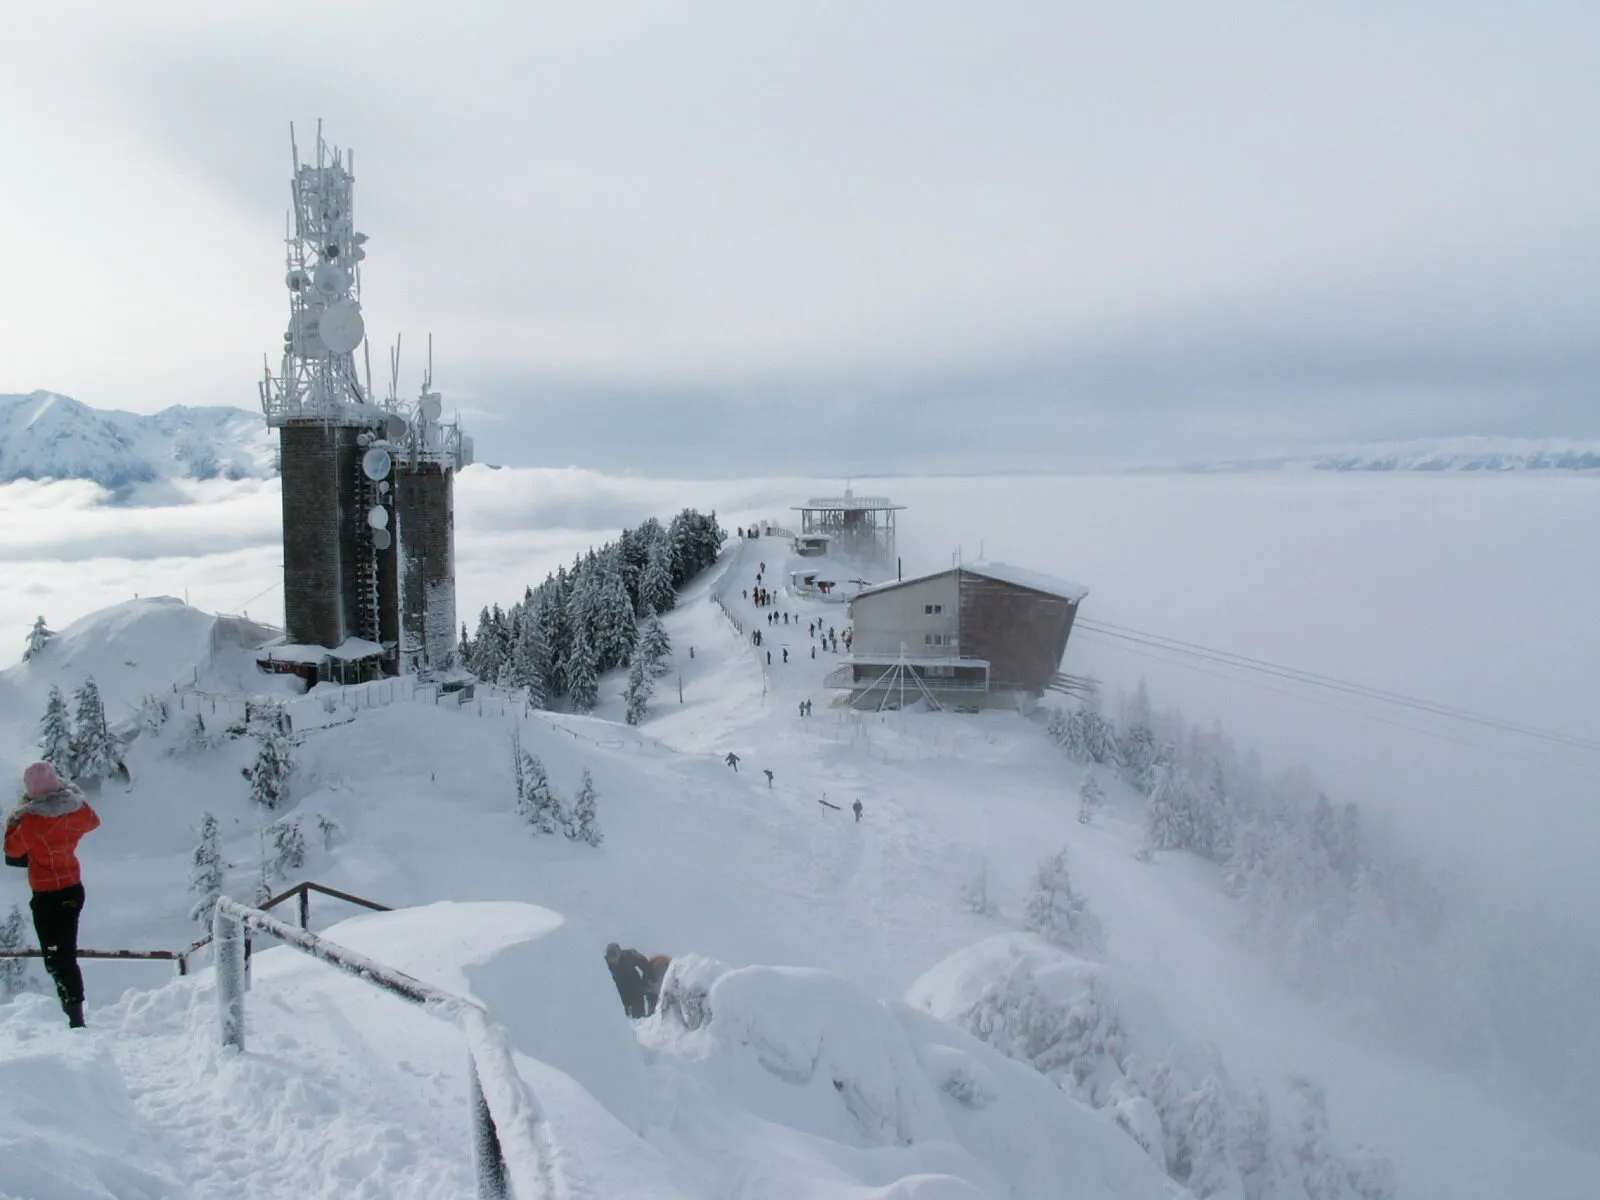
48, 436
1492, 454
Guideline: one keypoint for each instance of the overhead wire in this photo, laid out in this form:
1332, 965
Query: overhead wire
1362, 692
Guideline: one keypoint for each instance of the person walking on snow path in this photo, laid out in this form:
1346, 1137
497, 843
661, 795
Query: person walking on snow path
768, 774
732, 760
630, 971
786, 654
42, 834
856, 808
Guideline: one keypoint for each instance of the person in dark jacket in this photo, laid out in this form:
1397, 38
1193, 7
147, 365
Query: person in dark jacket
42, 834
630, 971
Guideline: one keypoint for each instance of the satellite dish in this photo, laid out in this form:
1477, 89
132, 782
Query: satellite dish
341, 326
466, 451
329, 279
376, 463
394, 427
358, 238
297, 280
378, 517
331, 250
429, 406
383, 487
305, 335
380, 538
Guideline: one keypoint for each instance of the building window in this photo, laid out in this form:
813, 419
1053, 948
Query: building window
938, 639
939, 672
932, 610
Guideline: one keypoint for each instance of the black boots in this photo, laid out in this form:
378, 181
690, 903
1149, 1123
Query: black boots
74, 1014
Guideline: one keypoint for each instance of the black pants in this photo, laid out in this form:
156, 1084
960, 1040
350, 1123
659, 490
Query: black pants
55, 920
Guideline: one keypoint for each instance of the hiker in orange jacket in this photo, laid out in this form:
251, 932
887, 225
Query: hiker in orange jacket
42, 834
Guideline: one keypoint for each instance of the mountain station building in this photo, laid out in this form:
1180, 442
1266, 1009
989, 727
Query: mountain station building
981, 635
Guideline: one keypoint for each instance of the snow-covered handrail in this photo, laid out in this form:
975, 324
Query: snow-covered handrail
511, 1139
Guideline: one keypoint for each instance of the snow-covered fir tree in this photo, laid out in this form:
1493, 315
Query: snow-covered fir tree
615, 630
92, 752
288, 846
654, 644
655, 588
585, 824
55, 733
13, 936
540, 806
975, 896
38, 638
640, 686
1169, 821
1089, 798
1320, 1168
1211, 1172
1058, 913
269, 774
583, 674
531, 658
206, 870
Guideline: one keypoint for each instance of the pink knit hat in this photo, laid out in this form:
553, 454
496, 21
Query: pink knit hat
40, 780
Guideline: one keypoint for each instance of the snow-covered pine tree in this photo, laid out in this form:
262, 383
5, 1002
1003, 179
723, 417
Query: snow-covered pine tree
13, 936
269, 774
1253, 1153
288, 846
205, 871
92, 754
975, 892
655, 586
614, 624
1321, 1172
55, 733
583, 673
654, 644
329, 829
519, 776
1058, 913
1092, 1050
585, 826
1089, 798
531, 657
541, 807
1168, 823
1211, 1169
264, 877
640, 686
38, 638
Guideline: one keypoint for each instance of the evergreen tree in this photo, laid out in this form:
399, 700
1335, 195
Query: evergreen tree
540, 807
654, 644
13, 936
269, 775
55, 734
1211, 1169
1058, 913
1321, 1171
1253, 1149
655, 587
531, 657
975, 892
205, 871
1168, 820
585, 826
639, 689
38, 638
1089, 798
288, 846
583, 674
614, 623
92, 754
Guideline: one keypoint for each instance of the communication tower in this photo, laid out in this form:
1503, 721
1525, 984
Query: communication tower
368, 521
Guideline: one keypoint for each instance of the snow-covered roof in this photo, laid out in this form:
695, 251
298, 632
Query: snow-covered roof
1035, 581
349, 650
888, 660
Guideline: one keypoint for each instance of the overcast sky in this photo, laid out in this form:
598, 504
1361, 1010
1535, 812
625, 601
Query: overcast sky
954, 236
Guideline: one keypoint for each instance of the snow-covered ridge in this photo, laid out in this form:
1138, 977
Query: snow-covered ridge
1426, 454
48, 436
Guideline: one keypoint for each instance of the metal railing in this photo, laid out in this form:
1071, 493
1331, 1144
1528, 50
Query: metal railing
302, 891
513, 1151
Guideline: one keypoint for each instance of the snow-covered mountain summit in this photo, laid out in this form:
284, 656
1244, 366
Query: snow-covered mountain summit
1487, 454
48, 436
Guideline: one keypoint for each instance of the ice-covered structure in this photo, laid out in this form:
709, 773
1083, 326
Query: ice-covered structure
368, 518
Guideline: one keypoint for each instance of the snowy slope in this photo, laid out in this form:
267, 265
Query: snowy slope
822, 924
47, 436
